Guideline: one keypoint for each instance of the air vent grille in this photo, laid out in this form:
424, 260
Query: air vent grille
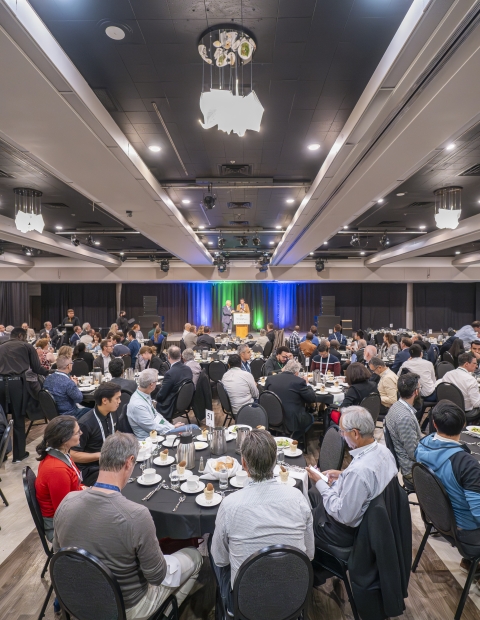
240, 223
5, 175
55, 205
239, 205
473, 171
235, 170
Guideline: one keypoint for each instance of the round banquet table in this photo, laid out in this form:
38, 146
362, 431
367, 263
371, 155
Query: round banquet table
190, 520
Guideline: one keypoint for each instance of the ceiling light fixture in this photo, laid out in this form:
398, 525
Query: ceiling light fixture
244, 241
27, 251
221, 262
311, 253
256, 241
96, 243
263, 262
221, 243
201, 227
123, 258
151, 258
345, 228
210, 243
380, 200
272, 242
401, 193
422, 227
115, 33
59, 227
384, 241
448, 206
290, 201
186, 201
450, 146
155, 149
278, 227
457, 252
74, 241
325, 243
165, 265
355, 240
209, 199
362, 253
28, 210
313, 147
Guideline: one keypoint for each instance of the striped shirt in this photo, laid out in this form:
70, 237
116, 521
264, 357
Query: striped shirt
294, 342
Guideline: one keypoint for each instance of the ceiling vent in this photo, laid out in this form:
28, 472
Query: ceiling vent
473, 171
239, 205
5, 175
90, 223
235, 170
55, 205
240, 223
419, 204
106, 99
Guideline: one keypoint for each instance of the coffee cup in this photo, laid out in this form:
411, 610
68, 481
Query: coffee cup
149, 475
192, 483
142, 454
242, 477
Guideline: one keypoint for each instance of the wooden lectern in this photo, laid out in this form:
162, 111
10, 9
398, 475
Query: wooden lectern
241, 320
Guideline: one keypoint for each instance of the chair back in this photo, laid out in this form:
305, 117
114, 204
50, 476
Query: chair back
79, 368
256, 367
281, 596
448, 357
448, 391
127, 361
442, 368
123, 425
216, 370
372, 403
183, 346
162, 346
378, 338
267, 349
47, 404
257, 348
184, 398
125, 398
332, 450
29, 478
4, 441
301, 359
274, 408
224, 398
389, 443
253, 415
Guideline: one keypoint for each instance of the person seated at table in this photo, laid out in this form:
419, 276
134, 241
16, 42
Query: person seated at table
116, 368
455, 351
403, 355
295, 393
339, 505
402, 423
337, 335
469, 333
87, 333
387, 384
457, 469
148, 358
358, 335
152, 331
200, 331
463, 379
142, 415
103, 360
270, 332
130, 548
262, 338
314, 331
424, 369
307, 346
389, 346
334, 348
358, 352
138, 331
30, 332
240, 386
325, 361
429, 350
358, 377
475, 349
94, 347
64, 390
134, 346
261, 514
190, 339
119, 348
206, 340
172, 381
276, 363
57, 474
188, 357
80, 353
96, 426
245, 353
76, 335
115, 329
45, 353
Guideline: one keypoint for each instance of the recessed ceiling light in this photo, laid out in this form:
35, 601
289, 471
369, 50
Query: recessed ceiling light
362, 253
313, 147
325, 243
272, 242
115, 33
345, 227
311, 253
380, 200
290, 201
186, 201
450, 147
155, 149
401, 193
96, 242
278, 227
122, 253
422, 227
201, 227
59, 227
210, 243
457, 252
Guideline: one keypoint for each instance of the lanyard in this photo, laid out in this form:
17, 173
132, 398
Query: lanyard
400, 400
149, 403
102, 485
57, 454
321, 363
101, 425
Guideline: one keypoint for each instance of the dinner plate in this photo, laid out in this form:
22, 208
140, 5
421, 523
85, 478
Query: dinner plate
333, 390
201, 501
234, 482
277, 439
86, 388
141, 481
169, 461
187, 474
159, 439
289, 454
141, 459
229, 437
290, 482
469, 429
185, 489
200, 438
200, 445
249, 428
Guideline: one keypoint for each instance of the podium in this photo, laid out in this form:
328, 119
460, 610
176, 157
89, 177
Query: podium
241, 320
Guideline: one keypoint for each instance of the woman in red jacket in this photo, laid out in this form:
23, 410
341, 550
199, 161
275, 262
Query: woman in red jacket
57, 473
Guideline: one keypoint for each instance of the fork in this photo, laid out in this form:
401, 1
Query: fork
181, 499
147, 497
165, 486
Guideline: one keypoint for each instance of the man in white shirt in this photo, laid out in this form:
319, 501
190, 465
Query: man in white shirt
239, 385
467, 384
424, 369
262, 514
387, 385
186, 329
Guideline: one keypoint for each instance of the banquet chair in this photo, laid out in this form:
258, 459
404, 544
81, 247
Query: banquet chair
442, 368
225, 402
448, 391
86, 588
47, 404
267, 349
216, 370
79, 368
372, 404
275, 412
332, 450
254, 415
123, 425
183, 346
183, 400
256, 367
3, 451
301, 359
127, 361
448, 357
437, 512
257, 348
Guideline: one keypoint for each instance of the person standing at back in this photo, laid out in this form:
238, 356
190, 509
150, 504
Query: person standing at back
134, 346
122, 322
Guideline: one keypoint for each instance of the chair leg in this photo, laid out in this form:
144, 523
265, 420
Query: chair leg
45, 567
466, 589
4, 499
45, 603
422, 547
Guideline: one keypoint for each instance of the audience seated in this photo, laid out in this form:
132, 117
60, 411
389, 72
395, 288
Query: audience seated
57, 474
186, 329
116, 369
172, 381
262, 339
94, 347
307, 346
190, 339
475, 349
134, 346
157, 338
264, 513
387, 385
45, 354
467, 384
325, 361
152, 331
64, 389
340, 504
206, 339
277, 362
314, 332
48, 330
79, 353
130, 548
430, 351
95, 427
30, 333
369, 352
424, 369
87, 333
469, 333
188, 357
358, 352
403, 355
239, 385
270, 332
358, 378
103, 360
245, 353
138, 332
357, 336
76, 335
402, 423
337, 335
142, 415
389, 346
147, 358
120, 348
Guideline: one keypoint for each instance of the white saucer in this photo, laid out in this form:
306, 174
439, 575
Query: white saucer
187, 474
142, 459
200, 438
168, 444
289, 454
169, 461
290, 483
230, 437
201, 501
159, 439
234, 483
185, 489
200, 445
86, 388
334, 390
140, 480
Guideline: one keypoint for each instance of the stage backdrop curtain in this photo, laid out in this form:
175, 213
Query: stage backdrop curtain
14, 308
92, 303
439, 305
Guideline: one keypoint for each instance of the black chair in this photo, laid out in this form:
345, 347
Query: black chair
225, 402
127, 361
123, 425
372, 403
183, 346
448, 357
301, 359
86, 589
3, 451
47, 404
256, 367
267, 349
79, 368
253, 415
257, 348
437, 512
183, 401
272, 584
125, 397
275, 412
448, 391
378, 338
442, 368
332, 450
216, 370
29, 478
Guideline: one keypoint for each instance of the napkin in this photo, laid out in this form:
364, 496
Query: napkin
298, 475
338, 398
212, 474
174, 572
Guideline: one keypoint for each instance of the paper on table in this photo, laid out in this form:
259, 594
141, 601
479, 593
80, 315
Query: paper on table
298, 475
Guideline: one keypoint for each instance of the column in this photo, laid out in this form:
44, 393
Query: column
409, 313
118, 296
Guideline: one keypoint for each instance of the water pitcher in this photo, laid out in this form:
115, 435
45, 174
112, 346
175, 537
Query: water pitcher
186, 450
218, 442
241, 432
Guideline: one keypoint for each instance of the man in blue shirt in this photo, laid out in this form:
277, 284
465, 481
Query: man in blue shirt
403, 355
315, 339
337, 335
133, 345
64, 389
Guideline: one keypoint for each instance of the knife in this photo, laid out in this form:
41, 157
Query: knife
147, 497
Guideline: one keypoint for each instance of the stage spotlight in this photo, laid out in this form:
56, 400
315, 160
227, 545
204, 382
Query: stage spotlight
319, 265
90, 240
221, 262
244, 241
27, 251
355, 240
123, 258
151, 258
165, 265
384, 241
263, 262
256, 241
209, 199
221, 242
74, 241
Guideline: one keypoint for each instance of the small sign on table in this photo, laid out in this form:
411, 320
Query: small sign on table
209, 418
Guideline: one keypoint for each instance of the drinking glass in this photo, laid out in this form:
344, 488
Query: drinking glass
174, 477
223, 479
280, 457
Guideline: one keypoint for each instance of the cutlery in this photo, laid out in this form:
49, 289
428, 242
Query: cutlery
133, 479
147, 497
165, 486
181, 499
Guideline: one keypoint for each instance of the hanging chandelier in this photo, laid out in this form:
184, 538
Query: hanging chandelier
227, 103
448, 206
28, 210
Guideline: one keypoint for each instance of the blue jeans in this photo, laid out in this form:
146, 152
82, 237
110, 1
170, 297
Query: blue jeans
78, 413
432, 398
184, 429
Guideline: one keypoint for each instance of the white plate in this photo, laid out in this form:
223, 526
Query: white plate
186, 474
334, 390
200, 445
249, 428
229, 437
159, 439
87, 388
289, 483
141, 481
201, 501
199, 438
169, 444
185, 489
277, 439
234, 483
169, 461
289, 454
143, 458
469, 428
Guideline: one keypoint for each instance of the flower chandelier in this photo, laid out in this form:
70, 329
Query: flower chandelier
227, 50
448, 206
28, 210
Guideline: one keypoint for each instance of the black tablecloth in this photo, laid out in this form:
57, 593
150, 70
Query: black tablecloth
190, 520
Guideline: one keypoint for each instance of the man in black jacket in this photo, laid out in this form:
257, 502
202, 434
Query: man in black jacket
205, 340
172, 381
71, 319
276, 364
403, 355
49, 330
116, 369
270, 332
122, 322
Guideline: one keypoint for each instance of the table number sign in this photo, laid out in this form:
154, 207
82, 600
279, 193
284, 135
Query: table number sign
209, 418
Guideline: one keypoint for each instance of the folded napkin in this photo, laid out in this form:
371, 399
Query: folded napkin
298, 475
174, 572
338, 398
212, 474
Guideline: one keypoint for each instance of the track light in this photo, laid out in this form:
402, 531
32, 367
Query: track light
165, 265
27, 251
319, 265
355, 240
384, 241
89, 240
221, 242
74, 241
263, 262
209, 199
123, 258
256, 241
243, 241
221, 262
151, 258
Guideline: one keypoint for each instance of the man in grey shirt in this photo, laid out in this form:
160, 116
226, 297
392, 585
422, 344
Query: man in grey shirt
188, 357
239, 385
263, 513
129, 548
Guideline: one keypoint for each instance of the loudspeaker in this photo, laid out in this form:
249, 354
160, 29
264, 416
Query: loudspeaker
150, 305
327, 306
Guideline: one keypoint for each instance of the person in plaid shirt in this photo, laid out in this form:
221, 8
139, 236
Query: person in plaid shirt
295, 340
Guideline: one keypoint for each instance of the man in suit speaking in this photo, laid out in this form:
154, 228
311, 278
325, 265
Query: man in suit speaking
227, 316
243, 307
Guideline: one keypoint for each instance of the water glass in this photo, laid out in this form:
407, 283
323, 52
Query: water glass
280, 457
174, 477
223, 479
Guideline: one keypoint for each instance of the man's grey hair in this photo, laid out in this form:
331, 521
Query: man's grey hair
63, 361
362, 343
263, 332
259, 449
376, 362
85, 326
242, 348
292, 366
370, 351
188, 355
147, 377
116, 450
174, 353
47, 323
9, 328
359, 418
